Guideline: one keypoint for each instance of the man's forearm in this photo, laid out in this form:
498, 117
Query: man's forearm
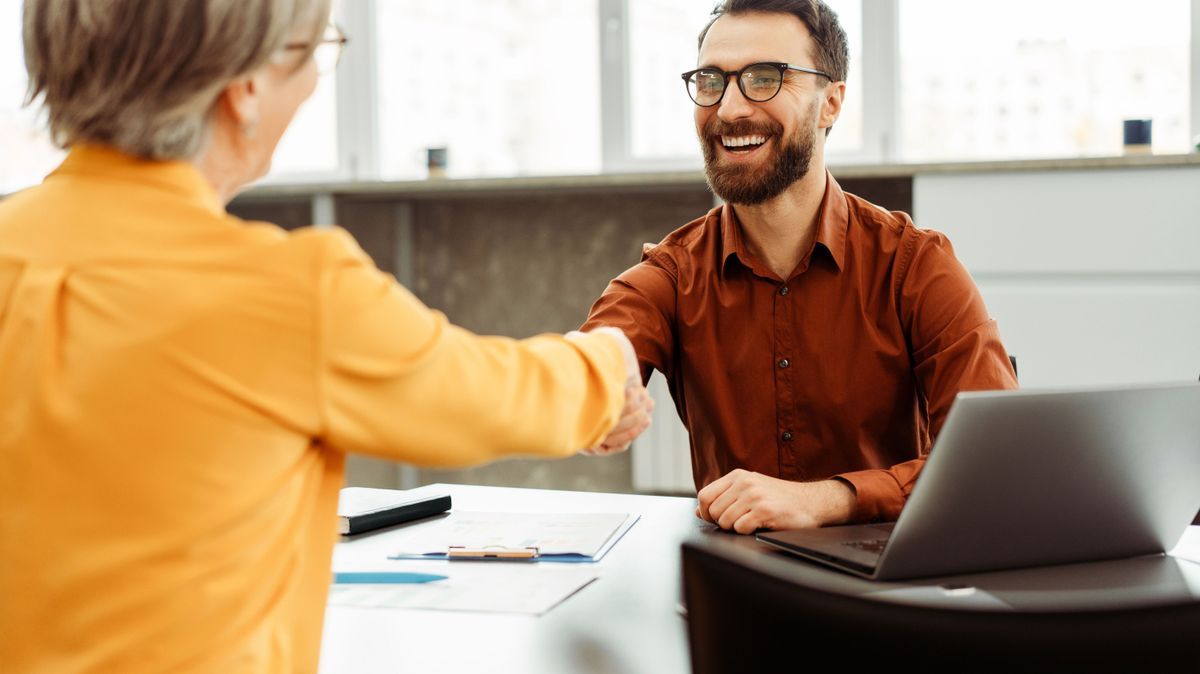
839, 500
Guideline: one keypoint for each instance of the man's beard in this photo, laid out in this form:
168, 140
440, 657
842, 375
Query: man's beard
787, 163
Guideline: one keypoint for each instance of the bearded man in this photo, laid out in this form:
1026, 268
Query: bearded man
813, 342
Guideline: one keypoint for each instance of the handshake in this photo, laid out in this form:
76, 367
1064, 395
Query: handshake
635, 415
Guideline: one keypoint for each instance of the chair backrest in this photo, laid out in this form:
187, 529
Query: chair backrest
743, 617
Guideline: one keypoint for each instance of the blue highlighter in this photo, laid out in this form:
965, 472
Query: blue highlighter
383, 577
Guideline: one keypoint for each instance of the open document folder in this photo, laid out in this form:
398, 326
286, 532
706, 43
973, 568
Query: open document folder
559, 537
515, 588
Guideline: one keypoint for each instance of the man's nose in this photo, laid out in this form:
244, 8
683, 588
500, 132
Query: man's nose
733, 104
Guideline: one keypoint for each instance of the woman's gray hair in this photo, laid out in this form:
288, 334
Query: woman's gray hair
143, 76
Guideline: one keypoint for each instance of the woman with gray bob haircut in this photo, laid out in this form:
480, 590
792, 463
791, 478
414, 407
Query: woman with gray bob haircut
215, 81
179, 388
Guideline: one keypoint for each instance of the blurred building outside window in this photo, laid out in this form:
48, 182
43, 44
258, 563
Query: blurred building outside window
512, 87
26, 153
1036, 79
505, 87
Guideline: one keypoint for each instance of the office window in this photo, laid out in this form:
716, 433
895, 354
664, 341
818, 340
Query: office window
309, 148
505, 87
847, 136
1029, 78
662, 44
26, 154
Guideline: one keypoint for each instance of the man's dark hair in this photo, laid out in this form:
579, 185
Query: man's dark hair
831, 54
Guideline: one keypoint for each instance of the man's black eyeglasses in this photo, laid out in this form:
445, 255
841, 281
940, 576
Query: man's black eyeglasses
759, 82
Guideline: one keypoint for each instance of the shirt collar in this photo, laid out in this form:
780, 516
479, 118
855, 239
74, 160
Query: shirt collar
178, 177
833, 222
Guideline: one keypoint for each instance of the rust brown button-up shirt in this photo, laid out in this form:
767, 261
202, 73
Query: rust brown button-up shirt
846, 369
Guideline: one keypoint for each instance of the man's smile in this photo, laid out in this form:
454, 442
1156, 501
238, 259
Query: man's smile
742, 146
738, 142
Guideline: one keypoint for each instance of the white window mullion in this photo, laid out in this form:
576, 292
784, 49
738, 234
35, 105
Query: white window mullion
881, 80
614, 85
357, 103
1194, 75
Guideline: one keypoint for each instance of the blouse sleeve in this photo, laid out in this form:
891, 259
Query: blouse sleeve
397, 380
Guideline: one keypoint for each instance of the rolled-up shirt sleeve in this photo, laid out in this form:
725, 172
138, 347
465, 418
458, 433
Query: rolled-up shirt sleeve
641, 302
397, 380
954, 346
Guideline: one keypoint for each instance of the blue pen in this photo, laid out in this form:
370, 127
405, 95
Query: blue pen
383, 577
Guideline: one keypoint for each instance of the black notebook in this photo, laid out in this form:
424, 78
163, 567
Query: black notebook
363, 509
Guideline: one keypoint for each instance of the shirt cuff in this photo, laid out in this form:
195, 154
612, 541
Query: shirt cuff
878, 497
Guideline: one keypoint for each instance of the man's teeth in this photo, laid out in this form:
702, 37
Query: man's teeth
742, 141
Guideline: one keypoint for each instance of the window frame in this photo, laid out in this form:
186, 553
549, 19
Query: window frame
880, 76
357, 99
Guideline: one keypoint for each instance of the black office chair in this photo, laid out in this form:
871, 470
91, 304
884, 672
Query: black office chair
745, 615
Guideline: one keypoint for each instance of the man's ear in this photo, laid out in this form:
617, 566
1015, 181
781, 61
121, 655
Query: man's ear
831, 105
240, 102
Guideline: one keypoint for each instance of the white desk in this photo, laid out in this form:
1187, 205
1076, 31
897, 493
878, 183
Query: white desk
626, 621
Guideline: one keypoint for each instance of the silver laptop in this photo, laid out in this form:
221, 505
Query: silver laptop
1019, 479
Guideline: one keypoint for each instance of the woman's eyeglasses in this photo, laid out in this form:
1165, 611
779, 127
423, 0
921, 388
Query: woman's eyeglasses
328, 51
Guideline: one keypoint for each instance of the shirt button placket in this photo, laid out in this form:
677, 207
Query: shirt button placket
785, 386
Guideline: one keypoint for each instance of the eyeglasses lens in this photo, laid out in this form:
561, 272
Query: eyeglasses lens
706, 87
328, 52
327, 55
761, 82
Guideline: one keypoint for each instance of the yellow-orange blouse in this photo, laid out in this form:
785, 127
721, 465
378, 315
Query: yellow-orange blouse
178, 389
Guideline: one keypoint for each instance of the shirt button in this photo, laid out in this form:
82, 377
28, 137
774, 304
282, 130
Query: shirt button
783, 362
787, 436
783, 290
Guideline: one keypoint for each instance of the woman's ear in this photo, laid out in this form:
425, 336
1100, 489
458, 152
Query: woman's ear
239, 102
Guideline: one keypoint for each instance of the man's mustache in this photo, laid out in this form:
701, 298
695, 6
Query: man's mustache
718, 128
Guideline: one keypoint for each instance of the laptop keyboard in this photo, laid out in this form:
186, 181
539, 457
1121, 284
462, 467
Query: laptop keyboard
876, 545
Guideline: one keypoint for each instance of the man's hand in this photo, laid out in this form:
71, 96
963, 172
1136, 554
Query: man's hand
744, 502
